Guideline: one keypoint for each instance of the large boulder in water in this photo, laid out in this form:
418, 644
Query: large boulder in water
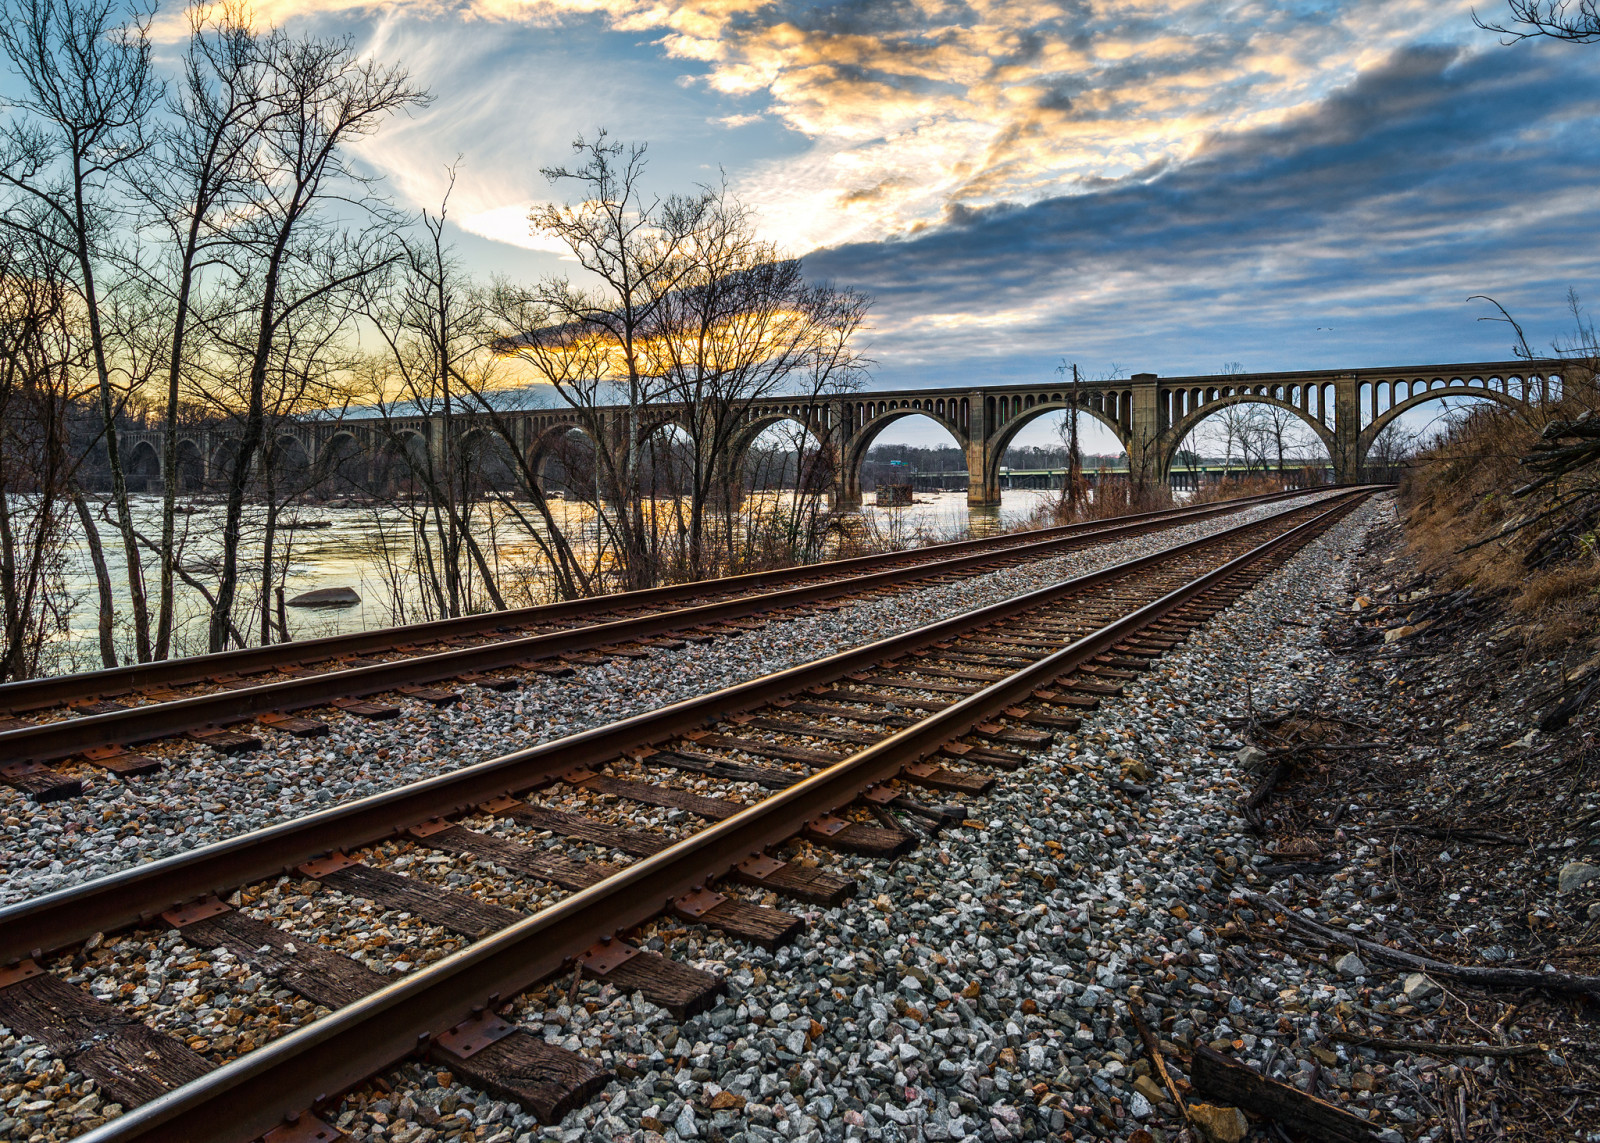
327, 597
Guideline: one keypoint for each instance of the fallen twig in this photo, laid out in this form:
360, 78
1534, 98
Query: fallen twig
1562, 982
1427, 1048
1152, 1048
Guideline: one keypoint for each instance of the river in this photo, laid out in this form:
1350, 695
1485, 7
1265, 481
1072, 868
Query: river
333, 545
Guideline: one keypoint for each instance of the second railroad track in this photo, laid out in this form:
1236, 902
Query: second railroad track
101, 717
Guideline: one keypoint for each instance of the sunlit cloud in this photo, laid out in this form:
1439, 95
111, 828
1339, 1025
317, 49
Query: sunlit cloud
913, 110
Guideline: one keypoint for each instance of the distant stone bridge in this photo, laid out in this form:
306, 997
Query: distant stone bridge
1150, 415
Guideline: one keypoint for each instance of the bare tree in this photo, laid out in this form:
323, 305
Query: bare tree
1577, 23
289, 249
87, 91
195, 186
41, 350
598, 347
436, 328
743, 324
1073, 489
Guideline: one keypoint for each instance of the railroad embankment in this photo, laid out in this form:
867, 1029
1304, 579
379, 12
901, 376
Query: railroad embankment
1435, 799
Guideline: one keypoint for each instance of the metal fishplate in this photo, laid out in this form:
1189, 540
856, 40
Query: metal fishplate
760, 866
323, 866
699, 902
827, 825
607, 955
198, 911
19, 972
474, 1034
304, 1128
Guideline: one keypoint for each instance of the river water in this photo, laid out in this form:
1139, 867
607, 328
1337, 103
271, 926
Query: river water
368, 548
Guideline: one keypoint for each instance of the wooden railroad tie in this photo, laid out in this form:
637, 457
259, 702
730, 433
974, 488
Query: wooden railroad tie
293, 724
41, 783
226, 741
365, 708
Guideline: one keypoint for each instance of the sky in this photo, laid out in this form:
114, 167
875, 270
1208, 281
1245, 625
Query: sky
1133, 185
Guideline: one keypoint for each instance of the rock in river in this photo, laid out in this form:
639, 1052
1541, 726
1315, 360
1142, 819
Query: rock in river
327, 597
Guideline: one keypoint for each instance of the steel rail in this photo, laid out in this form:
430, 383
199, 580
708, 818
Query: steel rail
57, 920
59, 690
65, 737
254, 1093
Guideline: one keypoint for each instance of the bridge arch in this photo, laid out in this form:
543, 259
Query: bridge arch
1218, 398
223, 458
562, 455
1110, 408
291, 462
485, 459
143, 468
1420, 391
191, 466
401, 460
344, 456
848, 479
805, 436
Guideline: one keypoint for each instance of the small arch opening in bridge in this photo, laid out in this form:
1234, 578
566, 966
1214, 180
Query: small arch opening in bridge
565, 461
142, 468
290, 466
191, 467
341, 467
667, 462
402, 466
484, 464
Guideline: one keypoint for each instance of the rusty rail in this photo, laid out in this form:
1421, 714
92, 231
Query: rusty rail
59, 919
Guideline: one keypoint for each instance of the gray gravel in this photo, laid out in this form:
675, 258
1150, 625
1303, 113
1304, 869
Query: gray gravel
204, 797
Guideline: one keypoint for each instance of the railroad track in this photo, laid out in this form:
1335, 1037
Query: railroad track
828, 753
208, 697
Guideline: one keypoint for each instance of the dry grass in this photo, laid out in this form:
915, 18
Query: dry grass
1465, 526
1114, 496
1233, 487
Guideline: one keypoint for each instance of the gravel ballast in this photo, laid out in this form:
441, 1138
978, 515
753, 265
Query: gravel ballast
979, 989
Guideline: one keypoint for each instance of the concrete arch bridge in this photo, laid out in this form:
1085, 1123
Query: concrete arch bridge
1150, 415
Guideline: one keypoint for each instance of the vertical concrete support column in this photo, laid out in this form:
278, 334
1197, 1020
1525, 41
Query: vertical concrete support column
839, 439
1347, 429
983, 461
438, 447
1146, 446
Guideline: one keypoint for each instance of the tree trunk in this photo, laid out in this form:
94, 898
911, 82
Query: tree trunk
267, 539
102, 578
119, 483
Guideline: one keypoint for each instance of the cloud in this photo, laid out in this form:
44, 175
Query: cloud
1376, 212
914, 108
